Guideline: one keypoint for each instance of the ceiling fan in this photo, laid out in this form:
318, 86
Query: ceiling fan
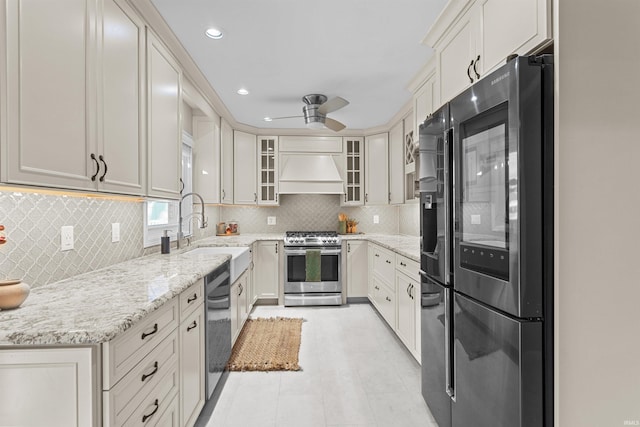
316, 109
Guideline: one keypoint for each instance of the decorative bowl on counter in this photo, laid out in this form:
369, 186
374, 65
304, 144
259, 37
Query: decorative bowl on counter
13, 292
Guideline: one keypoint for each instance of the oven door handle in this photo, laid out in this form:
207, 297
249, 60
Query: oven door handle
304, 251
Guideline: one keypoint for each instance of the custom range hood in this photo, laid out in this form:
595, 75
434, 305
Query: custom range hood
309, 174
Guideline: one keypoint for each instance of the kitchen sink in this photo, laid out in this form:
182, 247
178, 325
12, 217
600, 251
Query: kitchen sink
239, 257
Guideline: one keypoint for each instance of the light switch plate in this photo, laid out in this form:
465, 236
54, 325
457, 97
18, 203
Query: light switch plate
376, 219
115, 232
66, 238
271, 220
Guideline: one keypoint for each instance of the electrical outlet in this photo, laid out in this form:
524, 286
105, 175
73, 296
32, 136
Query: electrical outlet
271, 220
115, 232
376, 219
66, 238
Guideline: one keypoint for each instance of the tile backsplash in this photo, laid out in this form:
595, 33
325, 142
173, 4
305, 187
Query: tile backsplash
33, 219
307, 212
32, 226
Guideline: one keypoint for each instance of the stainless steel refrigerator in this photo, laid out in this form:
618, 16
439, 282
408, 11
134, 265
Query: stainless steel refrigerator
486, 211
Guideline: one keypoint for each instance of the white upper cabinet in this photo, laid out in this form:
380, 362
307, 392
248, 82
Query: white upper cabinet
164, 126
376, 169
353, 171
49, 93
268, 170
120, 148
396, 164
206, 158
245, 168
75, 96
226, 165
471, 38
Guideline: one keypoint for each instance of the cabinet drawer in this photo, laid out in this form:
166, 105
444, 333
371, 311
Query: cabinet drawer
408, 266
122, 400
125, 351
387, 305
157, 402
383, 264
191, 298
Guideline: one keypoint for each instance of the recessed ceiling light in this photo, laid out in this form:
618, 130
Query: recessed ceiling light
268, 119
243, 91
213, 33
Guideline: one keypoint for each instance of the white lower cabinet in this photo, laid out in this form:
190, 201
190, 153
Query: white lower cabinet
192, 366
154, 374
394, 290
267, 267
239, 304
356, 269
54, 387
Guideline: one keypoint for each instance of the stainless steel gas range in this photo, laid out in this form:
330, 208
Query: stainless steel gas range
312, 273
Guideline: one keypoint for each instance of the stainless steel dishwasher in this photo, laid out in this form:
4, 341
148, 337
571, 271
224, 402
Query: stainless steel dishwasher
218, 330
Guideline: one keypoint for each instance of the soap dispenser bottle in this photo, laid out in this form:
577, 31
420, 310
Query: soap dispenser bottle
165, 243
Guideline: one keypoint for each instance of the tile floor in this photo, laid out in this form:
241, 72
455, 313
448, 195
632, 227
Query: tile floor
355, 372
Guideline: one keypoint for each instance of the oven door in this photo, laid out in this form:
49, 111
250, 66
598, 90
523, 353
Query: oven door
498, 146
296, 274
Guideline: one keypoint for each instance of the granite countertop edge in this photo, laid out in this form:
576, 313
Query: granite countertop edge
95, 307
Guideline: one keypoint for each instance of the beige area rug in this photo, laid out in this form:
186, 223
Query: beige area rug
267, 345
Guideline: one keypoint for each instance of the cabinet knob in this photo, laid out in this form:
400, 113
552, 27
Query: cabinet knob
192, 326
152, 373
469, 72
255, 197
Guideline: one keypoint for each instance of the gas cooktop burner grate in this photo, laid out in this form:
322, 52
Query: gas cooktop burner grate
312, 238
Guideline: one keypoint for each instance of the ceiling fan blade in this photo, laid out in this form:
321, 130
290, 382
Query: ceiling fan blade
285, 117
332, 105
334, 125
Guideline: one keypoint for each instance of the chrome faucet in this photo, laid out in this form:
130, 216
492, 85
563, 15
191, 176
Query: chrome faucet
203, 223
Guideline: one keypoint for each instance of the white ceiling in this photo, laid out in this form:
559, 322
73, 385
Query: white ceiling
365, 51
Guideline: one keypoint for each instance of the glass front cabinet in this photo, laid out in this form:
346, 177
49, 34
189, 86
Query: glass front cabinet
354, 177
268, 170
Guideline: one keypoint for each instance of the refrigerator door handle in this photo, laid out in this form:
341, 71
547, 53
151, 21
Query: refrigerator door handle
450, 389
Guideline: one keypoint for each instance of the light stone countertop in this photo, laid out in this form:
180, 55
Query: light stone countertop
95, 307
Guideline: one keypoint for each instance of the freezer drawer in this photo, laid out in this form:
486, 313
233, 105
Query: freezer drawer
498, 368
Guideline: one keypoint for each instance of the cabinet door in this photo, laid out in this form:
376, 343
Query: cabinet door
267, 270
353, 174
423, 103
242, 300
192, 366
410, 178
49, 387
512, 27
234, 311
357, 269
206, 159
406, 313
226, 162
244, 168
164, 128
396, 164
120, 100
50, 93
376, 170
268, 170
455, 55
